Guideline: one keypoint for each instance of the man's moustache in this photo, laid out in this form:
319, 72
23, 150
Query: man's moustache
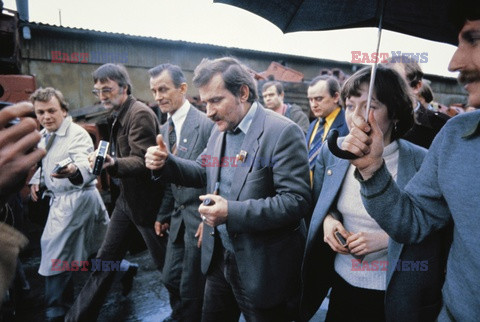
468, 76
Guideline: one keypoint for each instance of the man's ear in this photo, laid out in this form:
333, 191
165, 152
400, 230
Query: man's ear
183, 88
244, 93
336, 98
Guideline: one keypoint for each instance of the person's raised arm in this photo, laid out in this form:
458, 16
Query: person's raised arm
18, 152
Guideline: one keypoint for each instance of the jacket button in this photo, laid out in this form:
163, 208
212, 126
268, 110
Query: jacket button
212, 233
182, 207
329, 172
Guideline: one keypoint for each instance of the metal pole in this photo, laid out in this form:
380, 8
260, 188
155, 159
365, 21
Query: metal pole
374, 67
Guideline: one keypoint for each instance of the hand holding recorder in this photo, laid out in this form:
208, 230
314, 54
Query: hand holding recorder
99, 159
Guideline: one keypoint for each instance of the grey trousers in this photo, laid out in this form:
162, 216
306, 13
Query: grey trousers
183, 278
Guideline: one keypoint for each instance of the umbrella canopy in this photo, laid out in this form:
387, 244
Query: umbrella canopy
429, 19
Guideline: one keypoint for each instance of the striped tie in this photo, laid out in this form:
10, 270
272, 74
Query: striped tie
314, 148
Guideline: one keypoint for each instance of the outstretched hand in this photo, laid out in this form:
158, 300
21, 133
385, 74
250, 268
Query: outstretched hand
365, 140
18, 152
156, 155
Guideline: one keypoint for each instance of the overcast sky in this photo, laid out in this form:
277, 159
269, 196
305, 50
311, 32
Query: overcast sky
203, 21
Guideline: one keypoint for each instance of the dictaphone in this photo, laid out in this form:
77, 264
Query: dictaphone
100, 158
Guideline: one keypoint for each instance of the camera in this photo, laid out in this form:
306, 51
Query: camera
61, 165
100, 158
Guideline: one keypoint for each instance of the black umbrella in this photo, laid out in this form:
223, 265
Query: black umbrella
429, 19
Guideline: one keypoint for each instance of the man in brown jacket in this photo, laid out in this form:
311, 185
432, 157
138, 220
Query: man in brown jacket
133, 129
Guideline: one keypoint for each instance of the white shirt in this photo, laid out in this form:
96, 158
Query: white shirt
179, 117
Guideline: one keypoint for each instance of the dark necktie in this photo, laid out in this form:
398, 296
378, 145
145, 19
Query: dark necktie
49, 140
49, 137
315, 146
321, 127
172, 136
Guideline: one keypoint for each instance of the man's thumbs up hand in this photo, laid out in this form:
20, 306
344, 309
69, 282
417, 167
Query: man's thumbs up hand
156, 155
160, 143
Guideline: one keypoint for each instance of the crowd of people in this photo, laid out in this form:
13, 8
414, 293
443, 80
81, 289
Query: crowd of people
244, 208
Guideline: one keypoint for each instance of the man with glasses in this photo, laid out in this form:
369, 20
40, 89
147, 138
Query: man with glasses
134, 127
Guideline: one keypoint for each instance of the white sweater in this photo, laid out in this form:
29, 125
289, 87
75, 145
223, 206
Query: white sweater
356, 219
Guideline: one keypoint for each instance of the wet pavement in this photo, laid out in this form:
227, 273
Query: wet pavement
148, 300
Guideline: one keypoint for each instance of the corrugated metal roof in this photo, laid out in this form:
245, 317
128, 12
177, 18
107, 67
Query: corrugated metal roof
43, 50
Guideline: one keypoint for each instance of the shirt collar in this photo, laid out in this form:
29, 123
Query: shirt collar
62, 130
247, 120
332, 116
181, 113
121, 112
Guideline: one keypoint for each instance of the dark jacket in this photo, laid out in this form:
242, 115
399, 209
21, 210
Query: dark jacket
269, 196
180, 204
134, 131
427, 125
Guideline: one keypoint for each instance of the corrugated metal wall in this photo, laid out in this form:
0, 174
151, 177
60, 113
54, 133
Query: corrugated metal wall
79, 52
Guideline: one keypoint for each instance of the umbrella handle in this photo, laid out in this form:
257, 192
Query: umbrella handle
333, 147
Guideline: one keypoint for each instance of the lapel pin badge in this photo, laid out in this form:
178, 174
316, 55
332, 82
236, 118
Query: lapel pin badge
241, 157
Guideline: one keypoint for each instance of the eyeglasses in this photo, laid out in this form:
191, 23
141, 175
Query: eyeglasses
106, 90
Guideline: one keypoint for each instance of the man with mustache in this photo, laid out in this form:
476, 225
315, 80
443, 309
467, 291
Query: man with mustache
253, 233
445, 190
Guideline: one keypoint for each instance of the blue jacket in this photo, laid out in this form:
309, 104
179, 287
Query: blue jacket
445, 189
412, 295
339, 124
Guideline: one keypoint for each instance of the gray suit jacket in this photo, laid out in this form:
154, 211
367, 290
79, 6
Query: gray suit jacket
180, 204
410, 295
269, 197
